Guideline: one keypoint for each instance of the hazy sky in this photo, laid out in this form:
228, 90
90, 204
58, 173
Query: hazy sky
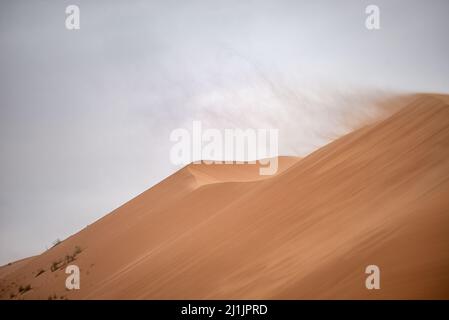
85, 115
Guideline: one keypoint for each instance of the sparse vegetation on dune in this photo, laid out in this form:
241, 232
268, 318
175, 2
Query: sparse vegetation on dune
23, 289
67, 259
55, 266
56, 242
78, 250
55, 297
41, 271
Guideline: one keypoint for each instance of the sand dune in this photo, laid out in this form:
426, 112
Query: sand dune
379, 195
235, 172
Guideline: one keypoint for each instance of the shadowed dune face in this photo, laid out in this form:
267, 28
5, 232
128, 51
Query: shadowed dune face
379, 195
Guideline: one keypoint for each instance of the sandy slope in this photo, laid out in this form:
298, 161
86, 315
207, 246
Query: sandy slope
379, 195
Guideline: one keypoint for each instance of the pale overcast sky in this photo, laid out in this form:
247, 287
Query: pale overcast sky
85, 115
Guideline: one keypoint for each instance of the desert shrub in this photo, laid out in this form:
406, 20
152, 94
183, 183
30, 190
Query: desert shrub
41, 271
69, 258
55, 266
77, 250
22, 289
56, 242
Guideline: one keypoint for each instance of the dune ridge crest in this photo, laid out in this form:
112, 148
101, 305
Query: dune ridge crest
206, 173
